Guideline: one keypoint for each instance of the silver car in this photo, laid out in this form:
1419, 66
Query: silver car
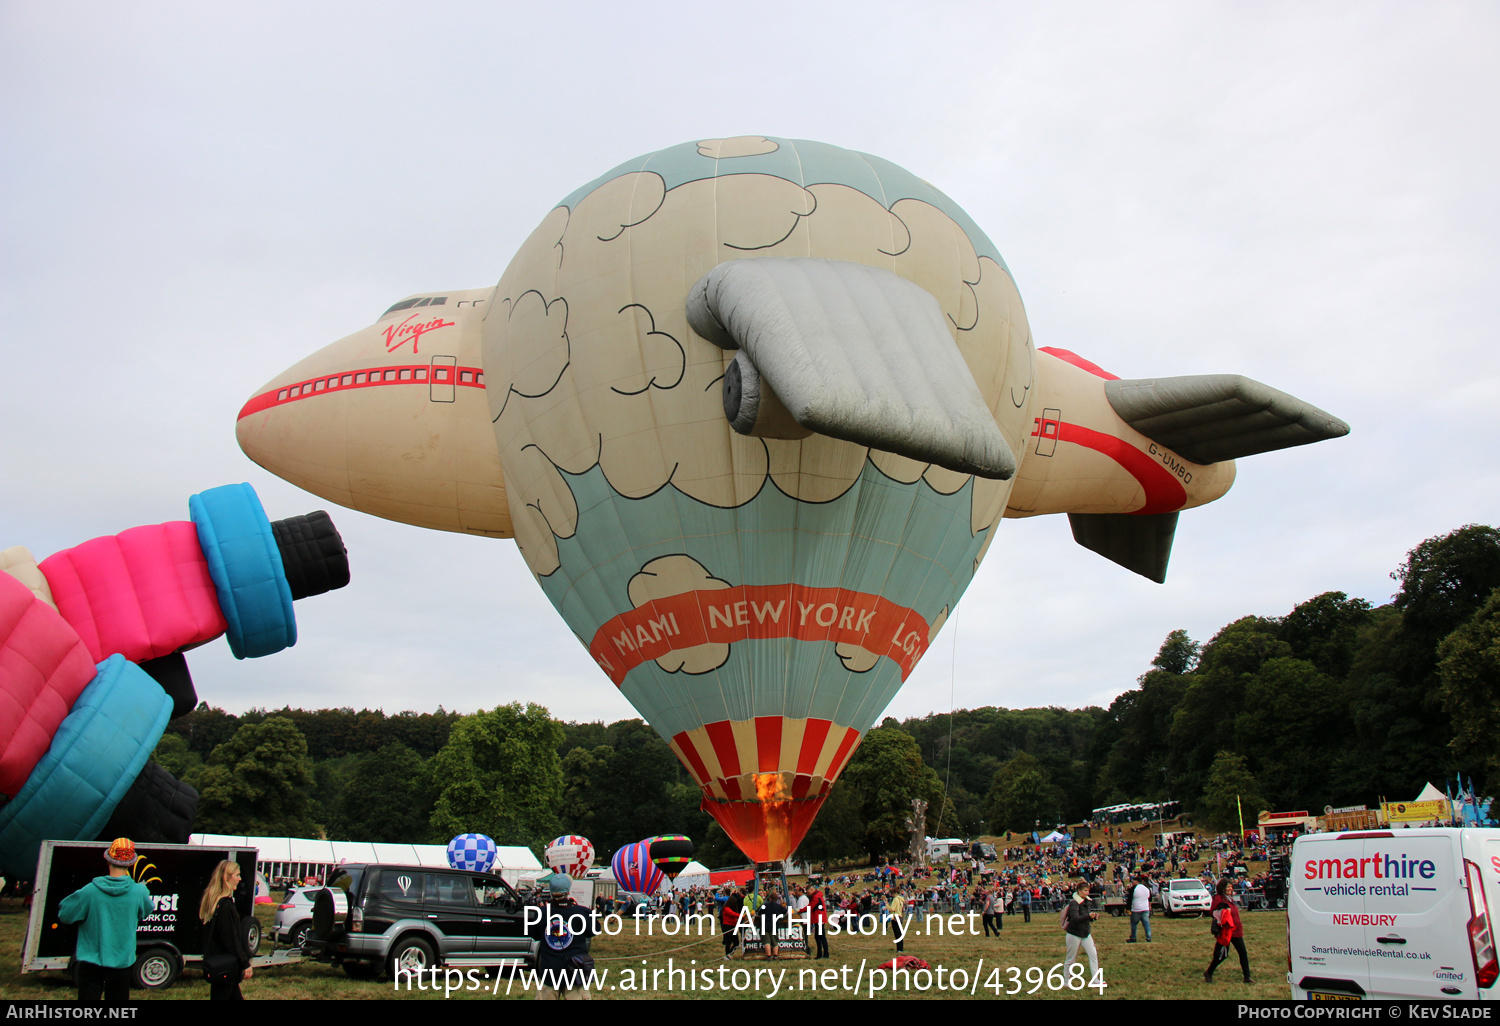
294, 916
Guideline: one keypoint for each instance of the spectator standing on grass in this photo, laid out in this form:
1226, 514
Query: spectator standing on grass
817, 914
729, 919
1229, 929
562, 960
770, 920
1140, 908
896, 907
226, 949
1078, 923
107, 910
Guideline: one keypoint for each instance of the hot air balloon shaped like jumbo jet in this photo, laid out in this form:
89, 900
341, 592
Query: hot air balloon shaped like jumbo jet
753, 408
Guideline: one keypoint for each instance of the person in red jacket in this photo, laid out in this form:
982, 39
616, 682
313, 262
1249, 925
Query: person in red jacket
817, 914
1228, 929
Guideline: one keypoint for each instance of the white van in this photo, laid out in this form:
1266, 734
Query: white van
1383, 914
944, 850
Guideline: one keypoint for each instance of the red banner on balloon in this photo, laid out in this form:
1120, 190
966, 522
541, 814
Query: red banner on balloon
727, 615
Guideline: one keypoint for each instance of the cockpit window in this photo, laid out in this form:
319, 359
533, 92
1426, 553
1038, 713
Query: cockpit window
407, 304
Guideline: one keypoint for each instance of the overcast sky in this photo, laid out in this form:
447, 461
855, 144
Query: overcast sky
195, 196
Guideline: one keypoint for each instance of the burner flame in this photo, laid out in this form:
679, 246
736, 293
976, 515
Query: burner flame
776, 811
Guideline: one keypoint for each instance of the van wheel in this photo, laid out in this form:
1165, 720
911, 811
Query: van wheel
413, 955
298, 935
155, 969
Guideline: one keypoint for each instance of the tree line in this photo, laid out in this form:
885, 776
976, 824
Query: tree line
1336, 702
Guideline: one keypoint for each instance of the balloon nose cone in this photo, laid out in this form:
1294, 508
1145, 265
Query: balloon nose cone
391, 424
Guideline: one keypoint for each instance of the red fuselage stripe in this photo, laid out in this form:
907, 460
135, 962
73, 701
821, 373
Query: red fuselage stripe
1164, 492
1068, 356
417, 374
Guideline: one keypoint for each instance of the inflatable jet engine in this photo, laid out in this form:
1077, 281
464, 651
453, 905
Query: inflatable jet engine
92, 666
753, 409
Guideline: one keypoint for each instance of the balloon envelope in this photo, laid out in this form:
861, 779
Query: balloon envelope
671, 853
760, 600
633, 869
571, 854
473, 852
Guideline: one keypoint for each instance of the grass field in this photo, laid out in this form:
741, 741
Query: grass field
1170, 968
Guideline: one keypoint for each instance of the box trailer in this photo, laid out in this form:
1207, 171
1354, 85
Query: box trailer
168, 940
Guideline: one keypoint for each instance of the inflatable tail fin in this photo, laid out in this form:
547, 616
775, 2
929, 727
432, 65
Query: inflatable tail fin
1138, 542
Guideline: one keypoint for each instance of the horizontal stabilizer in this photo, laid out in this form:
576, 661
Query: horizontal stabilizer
852, 352
1138, 542
1213, 417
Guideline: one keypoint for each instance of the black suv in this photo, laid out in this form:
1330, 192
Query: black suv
374, 919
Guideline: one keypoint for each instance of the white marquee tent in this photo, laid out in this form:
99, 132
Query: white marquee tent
298, 857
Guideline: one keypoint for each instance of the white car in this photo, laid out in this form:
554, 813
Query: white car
294, 916
1185, 897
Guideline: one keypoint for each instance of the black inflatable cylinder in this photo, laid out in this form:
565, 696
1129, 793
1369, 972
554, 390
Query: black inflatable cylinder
312, 554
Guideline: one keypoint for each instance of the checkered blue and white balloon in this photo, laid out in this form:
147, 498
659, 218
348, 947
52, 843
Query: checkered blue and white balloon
571, 854
474, 852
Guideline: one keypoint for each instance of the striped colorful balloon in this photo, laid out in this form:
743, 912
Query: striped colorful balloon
633, 869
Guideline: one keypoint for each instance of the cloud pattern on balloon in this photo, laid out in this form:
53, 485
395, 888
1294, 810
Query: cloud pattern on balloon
590, 360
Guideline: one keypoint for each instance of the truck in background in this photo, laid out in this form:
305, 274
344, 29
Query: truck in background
1394, 914
946, 849
168, 940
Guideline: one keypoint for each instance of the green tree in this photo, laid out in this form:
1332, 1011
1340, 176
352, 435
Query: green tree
258, 783
1204, 721
173, 755
839, 830
1231, 788
1138, 730
499, 775
886, 773
1292, 723
1445, 580
388, 798
205, 728
1470, 670
627, 788
330, 778
1401, 729
1324, 631
1178, 654
580, 768
1022, 794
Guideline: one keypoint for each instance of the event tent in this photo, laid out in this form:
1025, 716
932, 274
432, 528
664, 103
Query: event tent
299, 857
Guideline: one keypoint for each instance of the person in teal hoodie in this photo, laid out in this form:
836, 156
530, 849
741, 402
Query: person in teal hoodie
107, 909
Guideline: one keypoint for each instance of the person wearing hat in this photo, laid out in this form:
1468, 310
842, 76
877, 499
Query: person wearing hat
107, 909
563, 932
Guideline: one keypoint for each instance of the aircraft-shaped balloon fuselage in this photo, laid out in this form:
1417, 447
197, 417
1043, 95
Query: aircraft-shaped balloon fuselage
753, 409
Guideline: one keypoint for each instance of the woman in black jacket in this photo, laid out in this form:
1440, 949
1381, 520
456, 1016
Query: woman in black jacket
226, 955
1078, 924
